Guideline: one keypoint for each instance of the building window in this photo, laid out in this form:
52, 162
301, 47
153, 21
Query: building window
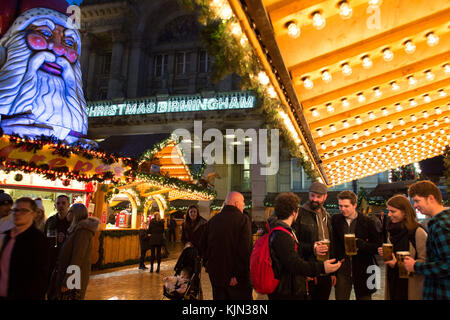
182, 62
203, 62
299, 179
246, 177
160, 65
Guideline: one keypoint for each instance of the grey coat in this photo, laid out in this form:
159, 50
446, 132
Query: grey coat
76, 251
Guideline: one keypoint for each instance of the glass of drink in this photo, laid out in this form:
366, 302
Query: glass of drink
402, 272
350, 244
326, 256
53, 233
388, 250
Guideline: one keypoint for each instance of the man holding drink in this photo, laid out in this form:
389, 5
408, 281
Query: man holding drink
356, 240
428, 200
313, 230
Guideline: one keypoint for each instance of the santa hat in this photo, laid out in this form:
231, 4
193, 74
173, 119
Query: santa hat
11, 10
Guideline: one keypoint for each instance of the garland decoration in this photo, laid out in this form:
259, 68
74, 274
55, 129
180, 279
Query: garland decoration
224, 39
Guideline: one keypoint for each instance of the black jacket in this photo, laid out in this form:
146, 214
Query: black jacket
227, 247
193, 232
144, 239
29, 265
156, 230
368, 241
307, 232
288, 267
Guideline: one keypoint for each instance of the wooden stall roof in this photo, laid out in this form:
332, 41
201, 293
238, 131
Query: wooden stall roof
368, 79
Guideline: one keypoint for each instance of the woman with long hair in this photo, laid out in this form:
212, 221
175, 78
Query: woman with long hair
406, 234
76, 251
193, 227
156, 231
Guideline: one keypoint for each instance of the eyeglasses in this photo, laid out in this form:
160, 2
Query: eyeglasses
21, 210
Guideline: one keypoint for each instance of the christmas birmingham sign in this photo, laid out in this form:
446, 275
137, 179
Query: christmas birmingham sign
239, 100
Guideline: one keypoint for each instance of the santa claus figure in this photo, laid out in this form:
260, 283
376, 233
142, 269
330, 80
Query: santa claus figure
40, 75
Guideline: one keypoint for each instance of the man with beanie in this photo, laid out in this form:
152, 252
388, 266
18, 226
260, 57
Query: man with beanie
312, 226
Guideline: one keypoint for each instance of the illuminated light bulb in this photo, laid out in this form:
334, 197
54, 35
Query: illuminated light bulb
345, 123
333, 143
335, 153
361, 98
307, 83
263, 78
447, 120
432, 39
442, 93
272, 93
345, 102
226, 12
366, 132
345, 11
412, 102
395, 86
364, 144
425, 114
446, 68
377, 92
358, 120
410, 47
429, 75
426, 98
436, 123
389, 125
442, 131
354, 148
346, 69
438, 110
374, 141
236, 29
318, 20
412, 81
387, 54
384, 139
398, 107
244, 40
344, 139
423, 137
366, 62
401, 122
371, 115
414, 129
345, 151
293, 30
330, 108
323, 146
385, 112
378, 129
403, 132
394, 135
319, 132
355, 136
333, 128
315, 113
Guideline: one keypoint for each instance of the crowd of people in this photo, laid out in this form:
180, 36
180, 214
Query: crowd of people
44, 259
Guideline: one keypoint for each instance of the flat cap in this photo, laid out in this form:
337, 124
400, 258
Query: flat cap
318, 187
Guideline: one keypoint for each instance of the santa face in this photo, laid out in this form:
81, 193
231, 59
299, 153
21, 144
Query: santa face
40, 82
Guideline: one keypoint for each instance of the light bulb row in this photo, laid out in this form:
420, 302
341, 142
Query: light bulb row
401, 121
384, 138
345, 103
327, 77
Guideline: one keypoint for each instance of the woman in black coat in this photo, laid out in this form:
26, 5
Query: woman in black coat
193, 228
156, 231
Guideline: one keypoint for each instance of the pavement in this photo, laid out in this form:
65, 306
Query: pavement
131, 283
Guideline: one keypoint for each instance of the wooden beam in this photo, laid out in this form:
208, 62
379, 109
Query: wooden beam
377, 80
373, 43
378, 104
284, 8
383, 120
146, 195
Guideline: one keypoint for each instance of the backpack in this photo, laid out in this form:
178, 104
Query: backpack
261, 272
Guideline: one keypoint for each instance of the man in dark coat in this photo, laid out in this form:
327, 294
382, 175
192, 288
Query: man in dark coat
354, 270
312, 226
144, 240
227, 248
24, 256
287, 264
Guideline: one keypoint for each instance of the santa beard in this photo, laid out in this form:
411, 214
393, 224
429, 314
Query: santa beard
38, 102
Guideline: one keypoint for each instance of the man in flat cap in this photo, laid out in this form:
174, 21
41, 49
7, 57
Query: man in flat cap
314, 232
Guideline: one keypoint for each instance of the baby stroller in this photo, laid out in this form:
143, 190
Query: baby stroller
190, 262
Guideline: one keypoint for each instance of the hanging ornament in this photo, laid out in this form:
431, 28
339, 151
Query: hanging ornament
18, 177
